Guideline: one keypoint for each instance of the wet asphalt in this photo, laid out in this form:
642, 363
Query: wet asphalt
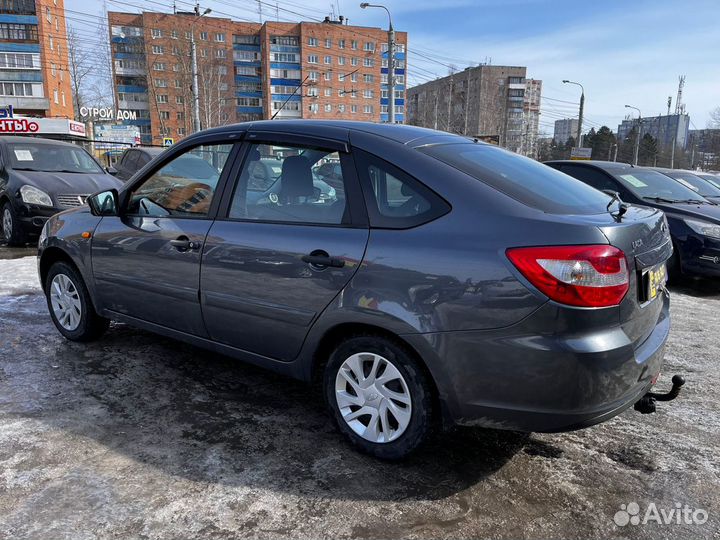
138, 436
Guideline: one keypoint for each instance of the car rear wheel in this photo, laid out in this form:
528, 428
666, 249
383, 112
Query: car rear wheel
11, 231
70, 306
378, 396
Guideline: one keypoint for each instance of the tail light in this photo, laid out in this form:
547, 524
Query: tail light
586, 276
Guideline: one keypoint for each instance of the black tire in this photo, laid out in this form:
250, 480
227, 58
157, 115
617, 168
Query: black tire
420, 392
91, 325
13, 235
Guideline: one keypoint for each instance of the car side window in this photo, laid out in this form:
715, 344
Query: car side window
282, 184
592, 177
394, 198
143, 159
128, 160
184, 186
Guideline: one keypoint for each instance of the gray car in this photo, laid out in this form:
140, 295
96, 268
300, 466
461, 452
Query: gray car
451, 282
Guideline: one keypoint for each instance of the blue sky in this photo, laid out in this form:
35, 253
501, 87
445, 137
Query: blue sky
622, 51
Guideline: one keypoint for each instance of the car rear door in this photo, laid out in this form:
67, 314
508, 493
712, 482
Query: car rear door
272, 264
146, 263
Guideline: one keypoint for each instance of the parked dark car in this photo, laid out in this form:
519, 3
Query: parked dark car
452, 281
699, 185
714, 179
134, 159
41, 177
694, 221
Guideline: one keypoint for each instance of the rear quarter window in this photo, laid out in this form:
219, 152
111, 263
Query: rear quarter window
525, 180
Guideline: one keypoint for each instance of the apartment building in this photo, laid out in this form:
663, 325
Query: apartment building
484, 101
249, 71
34, 76
564, 129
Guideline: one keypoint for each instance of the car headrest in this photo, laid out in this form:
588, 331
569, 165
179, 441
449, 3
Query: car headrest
297, 179
407, 191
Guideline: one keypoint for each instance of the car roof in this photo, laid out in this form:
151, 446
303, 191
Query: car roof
613, 167
34, 140
339, 130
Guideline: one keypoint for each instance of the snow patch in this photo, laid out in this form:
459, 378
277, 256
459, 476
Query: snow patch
19, 277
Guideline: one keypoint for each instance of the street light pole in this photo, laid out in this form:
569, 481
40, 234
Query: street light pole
578, 140
195, 91
637, 135
391, 61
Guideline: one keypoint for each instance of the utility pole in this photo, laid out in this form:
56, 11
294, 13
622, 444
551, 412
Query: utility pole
672, 154
615, 152
193, 60
450, 106
436, 108
578, 138
391, 61
638, 134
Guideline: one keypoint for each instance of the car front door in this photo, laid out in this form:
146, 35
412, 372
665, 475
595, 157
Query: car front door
146, 262
273, 263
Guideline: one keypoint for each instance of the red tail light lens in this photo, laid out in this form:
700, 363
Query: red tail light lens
586, 276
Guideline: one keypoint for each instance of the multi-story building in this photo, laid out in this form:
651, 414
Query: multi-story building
249, 71
564, 129
34, 77
484, 101
531, 117
666, 129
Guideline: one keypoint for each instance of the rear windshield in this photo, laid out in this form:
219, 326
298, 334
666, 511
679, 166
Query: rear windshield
651, 185
523, 179
697, 184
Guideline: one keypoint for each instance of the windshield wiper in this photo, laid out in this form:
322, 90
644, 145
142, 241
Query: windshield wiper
26, 169
662, 199
695, 201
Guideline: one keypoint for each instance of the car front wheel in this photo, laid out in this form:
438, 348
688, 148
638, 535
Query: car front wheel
70, 306
11, 231
378, 396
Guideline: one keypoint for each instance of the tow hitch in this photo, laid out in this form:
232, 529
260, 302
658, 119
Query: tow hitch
646, 405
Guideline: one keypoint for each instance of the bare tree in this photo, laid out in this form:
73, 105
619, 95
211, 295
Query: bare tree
81, 68
714, 122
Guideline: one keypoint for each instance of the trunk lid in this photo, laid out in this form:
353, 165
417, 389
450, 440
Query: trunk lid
644, 237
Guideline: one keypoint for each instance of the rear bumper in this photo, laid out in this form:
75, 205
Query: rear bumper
519, 379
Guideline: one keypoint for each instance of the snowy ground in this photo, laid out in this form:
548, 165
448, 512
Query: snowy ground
140, 436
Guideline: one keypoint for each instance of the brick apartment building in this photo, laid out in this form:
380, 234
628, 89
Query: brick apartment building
249, 71
34, 75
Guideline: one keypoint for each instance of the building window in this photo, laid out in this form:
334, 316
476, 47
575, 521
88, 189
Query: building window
204, 36
354, 61
341, 77
314, 107
177, 83
158, 66
341, 92
63, 98
179, 100
328, 107
368, 78
164, 115
341, 43
156, 33
313, 75
16, 89
313, 59
286, 105
353, 108
285, 73
158, 49
328, 59
312, 92
203, 53
220, 53
248, 102
180, 115
341, 60
328, 92
293, 41
369, 46
328, 43
251, 71
354, 45
48, 14
399, 79
341, 108
176, 50
246, 40
52, 43
222, 70
368, 109
188, 35
328, 76
174, 34
220, 38
312, 42
161, 98
246, 56
353, 77
176, 67
368, 94
285, 57
369, 62
160, 83
53, 70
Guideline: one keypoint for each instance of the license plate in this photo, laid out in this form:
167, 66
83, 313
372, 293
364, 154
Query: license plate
656, 278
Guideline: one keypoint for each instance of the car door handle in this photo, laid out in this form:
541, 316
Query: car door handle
323, 260
183, 243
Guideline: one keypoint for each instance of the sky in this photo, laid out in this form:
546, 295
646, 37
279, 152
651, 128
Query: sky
622, 51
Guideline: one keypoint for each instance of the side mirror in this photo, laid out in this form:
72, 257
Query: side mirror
104, 203
111, 170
